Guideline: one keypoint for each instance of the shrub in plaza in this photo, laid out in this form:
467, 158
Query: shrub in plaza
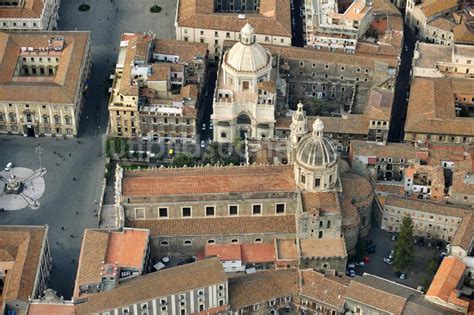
84, 7
155, 9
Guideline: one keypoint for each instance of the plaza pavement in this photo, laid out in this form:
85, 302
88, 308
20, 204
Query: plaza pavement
76, 166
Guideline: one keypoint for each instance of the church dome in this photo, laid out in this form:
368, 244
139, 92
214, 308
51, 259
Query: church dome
315, 149
247, 55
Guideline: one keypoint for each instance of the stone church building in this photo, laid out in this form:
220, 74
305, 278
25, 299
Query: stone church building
308, 200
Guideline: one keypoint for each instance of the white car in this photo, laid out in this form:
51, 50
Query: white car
211, 125
387, 260
203, 143
9, 166
203, 127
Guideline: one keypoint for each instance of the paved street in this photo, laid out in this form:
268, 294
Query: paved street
400, 100
63, 196
378, 267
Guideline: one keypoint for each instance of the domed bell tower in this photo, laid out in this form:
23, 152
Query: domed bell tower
298, 129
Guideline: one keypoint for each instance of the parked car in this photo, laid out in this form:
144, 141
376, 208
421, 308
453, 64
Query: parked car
9, 166
366, 259
203, 143
211, 125
401, 275
370, 246
388, 260
360, 264
203, 127
439, 245
391, 254
393, 237
421, 241
351, 270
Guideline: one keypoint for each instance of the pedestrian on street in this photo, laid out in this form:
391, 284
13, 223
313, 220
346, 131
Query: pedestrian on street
57, 242
62, 228
69, 154
73, 179
72, 235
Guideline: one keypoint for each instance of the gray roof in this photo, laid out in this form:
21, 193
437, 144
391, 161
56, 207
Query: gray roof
316, 151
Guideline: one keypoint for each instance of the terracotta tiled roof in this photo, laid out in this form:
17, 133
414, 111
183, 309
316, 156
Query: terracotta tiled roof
286, 249
24, 244
125, 248
224, 252
443, 24
431, 107
319, 201
209, 180
187, 51
324, 247
160, 72
426, 206
60, 88
463, 34
465, 233
274, 17
460, 186
365, 294
353, 124
262, 287
258, 253
380, 104
390, 189
433, 7
269, 86
393, 150
93, 251
369, 61
166, 282
355, 186
317, 286
446, 280
218, 226
51, 309
30, 10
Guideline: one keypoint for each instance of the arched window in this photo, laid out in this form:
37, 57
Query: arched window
68, 120
56, 119
12, 117
243, 119
45, 119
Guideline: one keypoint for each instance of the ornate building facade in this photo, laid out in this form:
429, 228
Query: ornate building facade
244, 100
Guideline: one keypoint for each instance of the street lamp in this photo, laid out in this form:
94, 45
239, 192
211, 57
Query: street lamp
39, 150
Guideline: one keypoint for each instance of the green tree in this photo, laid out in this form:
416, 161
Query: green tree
316, 106
182, 159
404, 247
212, 155
108, 147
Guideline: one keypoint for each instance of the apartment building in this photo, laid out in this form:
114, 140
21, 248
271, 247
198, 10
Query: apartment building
29, 15
212, 22
429, 19
431, 220
155, 89
110, 257
326, 28
451, 286
267, 292
25, 265
200, 287
43, 79
438, 111
437, 61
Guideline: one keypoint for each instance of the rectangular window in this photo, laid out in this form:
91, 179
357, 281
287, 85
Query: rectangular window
257, 209
317, 182
186, 212
280, 208
210, 211
234, 210
163, 212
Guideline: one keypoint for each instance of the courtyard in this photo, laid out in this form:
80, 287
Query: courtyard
418, 272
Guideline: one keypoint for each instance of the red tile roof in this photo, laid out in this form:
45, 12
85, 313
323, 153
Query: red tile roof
209, 180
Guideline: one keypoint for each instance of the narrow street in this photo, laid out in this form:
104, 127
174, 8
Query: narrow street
400, 101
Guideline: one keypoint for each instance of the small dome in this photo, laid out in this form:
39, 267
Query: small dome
315, 149
247, 55
299, 114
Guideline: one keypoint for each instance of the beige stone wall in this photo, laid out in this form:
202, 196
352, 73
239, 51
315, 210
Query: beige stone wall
442, 227
174, 209
46, 21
